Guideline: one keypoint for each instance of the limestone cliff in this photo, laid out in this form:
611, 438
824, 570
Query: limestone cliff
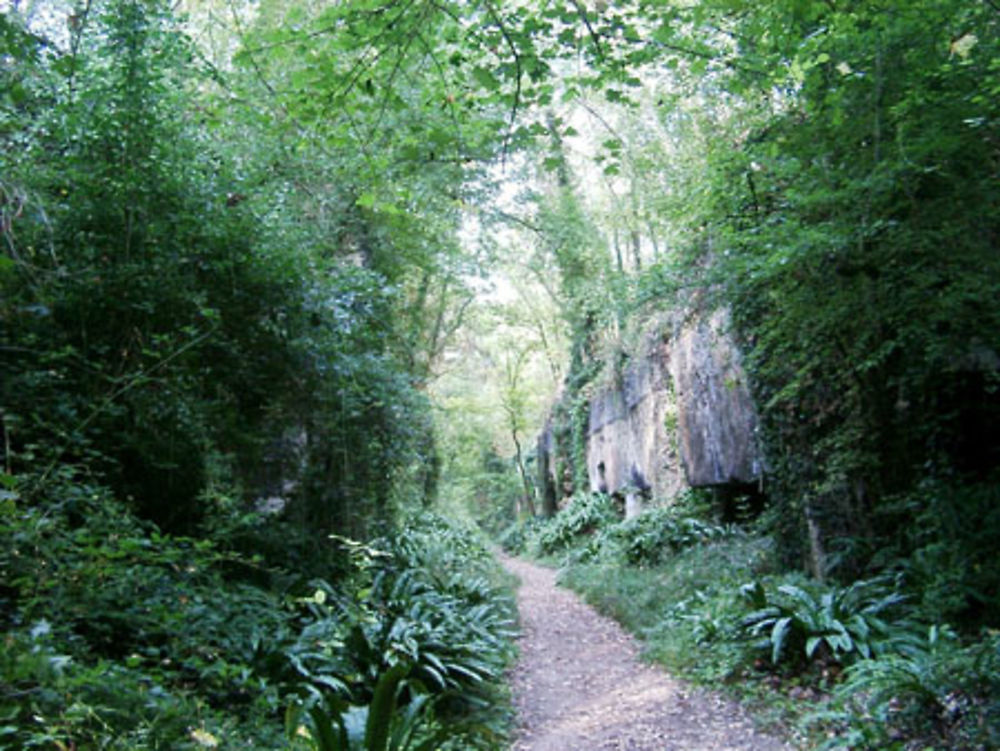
631, 434
716, 418
679, 415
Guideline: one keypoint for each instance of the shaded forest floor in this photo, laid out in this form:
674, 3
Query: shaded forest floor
579, 684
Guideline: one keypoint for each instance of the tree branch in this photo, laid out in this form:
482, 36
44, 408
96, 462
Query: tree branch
517, 71
444, 80
590, 29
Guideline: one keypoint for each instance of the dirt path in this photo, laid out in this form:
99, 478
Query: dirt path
579, 685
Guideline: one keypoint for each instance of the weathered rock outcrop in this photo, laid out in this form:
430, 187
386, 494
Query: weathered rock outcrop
632, 445
679, 416
716, 418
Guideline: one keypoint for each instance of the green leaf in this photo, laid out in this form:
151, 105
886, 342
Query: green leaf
485, 78
755, 594
383, 707
778, 635
328, 737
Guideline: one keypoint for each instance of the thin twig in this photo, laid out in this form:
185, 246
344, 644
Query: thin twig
517, 85
590, 29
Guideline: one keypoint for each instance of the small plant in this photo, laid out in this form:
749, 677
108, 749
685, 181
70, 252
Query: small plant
380, 725
513, 539
425, 598
834, 623
584, 516
517, 537
655, 534
933, 693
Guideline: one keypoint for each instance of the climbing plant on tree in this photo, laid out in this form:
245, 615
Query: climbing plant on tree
862, 232
167, 313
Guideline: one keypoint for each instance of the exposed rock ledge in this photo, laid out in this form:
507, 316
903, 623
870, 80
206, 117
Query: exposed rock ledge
680, 416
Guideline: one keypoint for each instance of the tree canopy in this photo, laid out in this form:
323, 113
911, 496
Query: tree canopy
244, 248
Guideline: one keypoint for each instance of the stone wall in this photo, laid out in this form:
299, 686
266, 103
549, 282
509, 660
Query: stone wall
716, 419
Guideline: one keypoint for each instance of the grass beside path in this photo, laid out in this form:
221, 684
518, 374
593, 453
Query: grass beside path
685, 611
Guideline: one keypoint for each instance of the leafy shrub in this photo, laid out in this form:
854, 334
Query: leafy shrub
944, 539
338, 726
426, 607
116, 635
585, 515
835, 622
49, 699
516, 538
648, 538
934, 693
513, 539
116, 631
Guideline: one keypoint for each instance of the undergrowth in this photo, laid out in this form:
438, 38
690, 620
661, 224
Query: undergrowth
856, 666
116, 635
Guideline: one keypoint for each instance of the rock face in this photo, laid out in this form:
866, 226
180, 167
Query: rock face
679, 416
632, 445
716, 419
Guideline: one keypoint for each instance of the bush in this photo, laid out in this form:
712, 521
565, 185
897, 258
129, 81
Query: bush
814, 621
647, 539
517, 537
427, 608
117, 635
584, 516
935, 693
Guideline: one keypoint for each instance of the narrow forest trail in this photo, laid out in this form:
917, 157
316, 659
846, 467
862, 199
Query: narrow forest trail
579, 685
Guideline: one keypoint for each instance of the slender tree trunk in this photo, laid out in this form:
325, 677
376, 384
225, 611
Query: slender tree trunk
656, 245
618, 252
528, 496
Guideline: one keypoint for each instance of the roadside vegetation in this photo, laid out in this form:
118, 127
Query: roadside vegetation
265, 308
119, 636
869, 664
216, 462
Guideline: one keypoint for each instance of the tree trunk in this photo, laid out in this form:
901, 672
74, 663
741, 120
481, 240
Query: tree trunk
528, 495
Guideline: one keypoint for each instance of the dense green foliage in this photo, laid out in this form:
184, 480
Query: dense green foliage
426, 622
712, 605
936, 689
836, 189
582, 518
161, 332
231, 266
861, 253
830, 177
843, 621
206, 371
117, 635
654, 534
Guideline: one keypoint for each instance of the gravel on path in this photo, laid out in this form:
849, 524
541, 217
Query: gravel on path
579, 685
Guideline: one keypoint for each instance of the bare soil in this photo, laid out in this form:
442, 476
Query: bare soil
580, 686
